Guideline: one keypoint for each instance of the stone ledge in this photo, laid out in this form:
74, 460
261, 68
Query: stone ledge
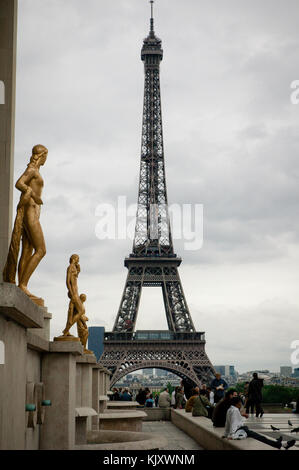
72, 347
17, 306
85, 411
125, 414
157, 414
98, 366
122, 404
210, 438
103, 398
37, 343
86, 359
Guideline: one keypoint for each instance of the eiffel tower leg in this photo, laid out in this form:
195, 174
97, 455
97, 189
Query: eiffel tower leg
178, 308
127, 313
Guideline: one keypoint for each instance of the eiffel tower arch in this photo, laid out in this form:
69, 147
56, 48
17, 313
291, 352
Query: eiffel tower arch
153, 261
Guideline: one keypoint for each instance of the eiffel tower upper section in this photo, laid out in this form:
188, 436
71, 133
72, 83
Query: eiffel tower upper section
153, 261
152, 232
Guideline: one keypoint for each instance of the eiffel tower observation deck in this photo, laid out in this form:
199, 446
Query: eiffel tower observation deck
153, 261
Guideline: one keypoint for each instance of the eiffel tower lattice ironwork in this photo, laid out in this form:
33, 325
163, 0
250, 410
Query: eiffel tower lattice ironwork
153, 262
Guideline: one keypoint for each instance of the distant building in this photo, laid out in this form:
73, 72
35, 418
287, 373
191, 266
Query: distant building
226, 370
286, 371
296, 372
96, 340
160, 372
148, 372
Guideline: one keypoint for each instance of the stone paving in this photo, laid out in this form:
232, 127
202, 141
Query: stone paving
177, 439
263, 426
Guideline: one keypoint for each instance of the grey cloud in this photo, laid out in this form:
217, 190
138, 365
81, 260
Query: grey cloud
230, 135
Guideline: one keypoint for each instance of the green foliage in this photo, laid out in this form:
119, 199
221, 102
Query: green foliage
239, 387
274, 393
170, 388
279, 394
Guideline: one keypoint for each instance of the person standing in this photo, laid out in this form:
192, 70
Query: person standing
210, 396
218, 386
255, 395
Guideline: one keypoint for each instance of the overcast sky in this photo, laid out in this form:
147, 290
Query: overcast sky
231, 143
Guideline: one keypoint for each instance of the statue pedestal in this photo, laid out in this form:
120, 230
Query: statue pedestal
59, 377
18, 315
68, 338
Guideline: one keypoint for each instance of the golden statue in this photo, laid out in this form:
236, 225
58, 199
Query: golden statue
76, 310
82, 328
27, 227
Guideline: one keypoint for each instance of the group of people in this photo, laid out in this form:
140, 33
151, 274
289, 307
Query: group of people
228, 409
145, 398
121, 394
225, 407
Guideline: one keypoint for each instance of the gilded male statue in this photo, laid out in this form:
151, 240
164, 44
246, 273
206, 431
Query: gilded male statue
76, 310
27, 229
76, 307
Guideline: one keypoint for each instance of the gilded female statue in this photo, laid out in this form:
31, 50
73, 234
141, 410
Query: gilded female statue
27, 228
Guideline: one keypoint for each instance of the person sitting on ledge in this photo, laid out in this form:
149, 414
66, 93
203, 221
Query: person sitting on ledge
235, 429
149, 401
141, 397
201, 405
179, 398
220, 410
189, 404
164, 399
115, 396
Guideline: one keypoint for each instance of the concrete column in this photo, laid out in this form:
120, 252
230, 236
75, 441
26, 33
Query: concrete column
59, 377
8, 46
84, 386
95, 396
102, 382
17, 313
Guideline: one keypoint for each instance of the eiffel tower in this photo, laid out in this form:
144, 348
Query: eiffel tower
180, 349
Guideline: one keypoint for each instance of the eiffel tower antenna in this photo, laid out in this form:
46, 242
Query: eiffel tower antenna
153, 261
152, 15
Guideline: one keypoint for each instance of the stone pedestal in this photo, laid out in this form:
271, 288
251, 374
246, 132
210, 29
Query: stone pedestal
45, 331
59, 377
17, 314
82, 417
122, 420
